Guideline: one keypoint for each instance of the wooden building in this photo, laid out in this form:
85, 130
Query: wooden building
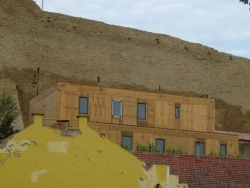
131, 117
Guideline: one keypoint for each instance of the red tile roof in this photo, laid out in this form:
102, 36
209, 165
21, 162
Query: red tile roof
204, 171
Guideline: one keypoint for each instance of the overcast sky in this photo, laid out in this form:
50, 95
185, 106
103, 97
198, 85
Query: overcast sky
221, 24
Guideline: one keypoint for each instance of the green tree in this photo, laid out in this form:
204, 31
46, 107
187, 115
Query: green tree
9, 112
244, 1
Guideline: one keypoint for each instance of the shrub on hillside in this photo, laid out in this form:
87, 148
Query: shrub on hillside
8, 113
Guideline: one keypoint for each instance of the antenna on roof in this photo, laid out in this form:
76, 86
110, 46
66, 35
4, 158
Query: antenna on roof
35, 82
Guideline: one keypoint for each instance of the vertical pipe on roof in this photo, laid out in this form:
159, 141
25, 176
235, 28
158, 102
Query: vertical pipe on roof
168, 176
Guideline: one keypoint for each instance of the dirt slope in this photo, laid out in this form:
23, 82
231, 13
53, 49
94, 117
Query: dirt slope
80, 50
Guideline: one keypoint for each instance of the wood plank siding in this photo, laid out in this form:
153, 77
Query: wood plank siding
195, 113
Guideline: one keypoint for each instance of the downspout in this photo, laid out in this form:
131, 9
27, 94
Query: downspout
168, 176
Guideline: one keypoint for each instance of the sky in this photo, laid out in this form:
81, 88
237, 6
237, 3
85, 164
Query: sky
220, 24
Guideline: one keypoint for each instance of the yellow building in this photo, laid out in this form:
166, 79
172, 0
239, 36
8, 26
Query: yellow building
45, 157
131, 118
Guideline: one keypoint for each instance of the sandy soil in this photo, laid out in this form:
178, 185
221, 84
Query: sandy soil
78, 50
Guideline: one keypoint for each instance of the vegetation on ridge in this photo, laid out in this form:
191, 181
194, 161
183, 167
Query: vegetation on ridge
8, 113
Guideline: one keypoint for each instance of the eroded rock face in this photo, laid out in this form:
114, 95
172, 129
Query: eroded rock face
82, 51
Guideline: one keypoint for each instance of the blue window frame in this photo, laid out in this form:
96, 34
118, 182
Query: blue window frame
160, 145
223, 150
199, 148
141, 111
177, 112
83, 105
127, 142
116, 108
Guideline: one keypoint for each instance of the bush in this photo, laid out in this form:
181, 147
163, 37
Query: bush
173, 150
125, 146
8, 113
213, 154
146, 148
230, 155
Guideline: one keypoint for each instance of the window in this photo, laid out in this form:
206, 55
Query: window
199, 148
223, 150
127, 142
83, 103
141, 111
160, 145
116, 108
177, 112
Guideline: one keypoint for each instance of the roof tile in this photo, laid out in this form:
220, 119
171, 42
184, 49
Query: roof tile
204, 171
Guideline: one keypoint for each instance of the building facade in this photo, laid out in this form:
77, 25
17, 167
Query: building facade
131, 118
244, 143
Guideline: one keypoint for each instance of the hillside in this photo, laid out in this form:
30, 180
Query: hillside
78, 50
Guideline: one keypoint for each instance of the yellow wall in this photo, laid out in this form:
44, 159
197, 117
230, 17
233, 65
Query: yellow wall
173, 138
175, 182
40, 157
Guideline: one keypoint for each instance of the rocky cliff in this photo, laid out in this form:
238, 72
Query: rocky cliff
78, 50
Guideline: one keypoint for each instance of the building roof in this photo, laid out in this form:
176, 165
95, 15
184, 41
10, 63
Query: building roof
242, 136
204, 171
44, 157
167, 128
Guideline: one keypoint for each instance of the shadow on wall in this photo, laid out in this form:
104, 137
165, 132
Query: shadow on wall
231, 118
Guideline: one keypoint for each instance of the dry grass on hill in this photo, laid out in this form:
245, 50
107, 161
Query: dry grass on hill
78, 50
